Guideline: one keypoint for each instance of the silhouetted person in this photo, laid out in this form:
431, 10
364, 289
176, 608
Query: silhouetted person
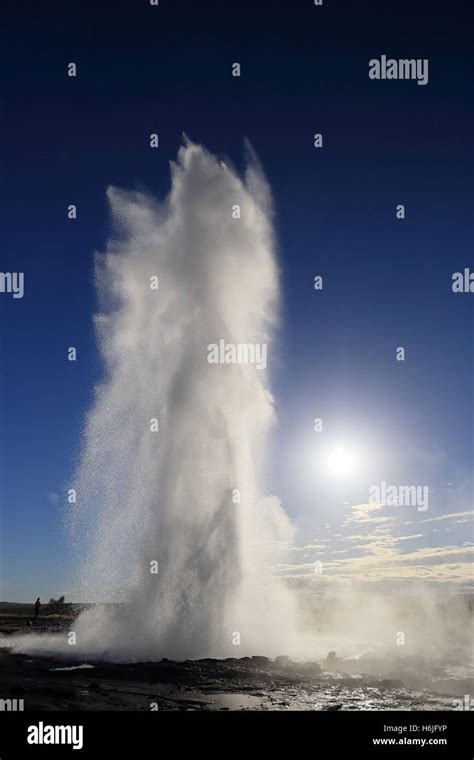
37, 609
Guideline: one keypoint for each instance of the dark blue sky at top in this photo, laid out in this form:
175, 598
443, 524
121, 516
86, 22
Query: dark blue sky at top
387, 283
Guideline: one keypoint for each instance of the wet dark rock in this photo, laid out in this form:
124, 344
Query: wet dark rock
17, 691
258, 660
390, 683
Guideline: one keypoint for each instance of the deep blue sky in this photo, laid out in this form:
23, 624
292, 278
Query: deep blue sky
387, 283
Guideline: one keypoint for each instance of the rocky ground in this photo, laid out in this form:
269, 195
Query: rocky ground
256, 683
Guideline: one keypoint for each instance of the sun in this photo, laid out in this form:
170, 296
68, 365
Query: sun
340, 461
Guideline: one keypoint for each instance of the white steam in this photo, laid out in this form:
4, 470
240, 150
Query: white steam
171, 496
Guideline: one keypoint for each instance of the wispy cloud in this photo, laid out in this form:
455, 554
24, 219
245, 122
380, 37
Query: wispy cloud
380, 548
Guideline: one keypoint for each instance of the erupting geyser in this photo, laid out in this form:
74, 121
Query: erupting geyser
170, 499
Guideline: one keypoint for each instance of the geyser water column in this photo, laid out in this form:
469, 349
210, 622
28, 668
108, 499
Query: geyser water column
169, 498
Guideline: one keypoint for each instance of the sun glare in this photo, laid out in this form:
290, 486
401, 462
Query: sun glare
340, 462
